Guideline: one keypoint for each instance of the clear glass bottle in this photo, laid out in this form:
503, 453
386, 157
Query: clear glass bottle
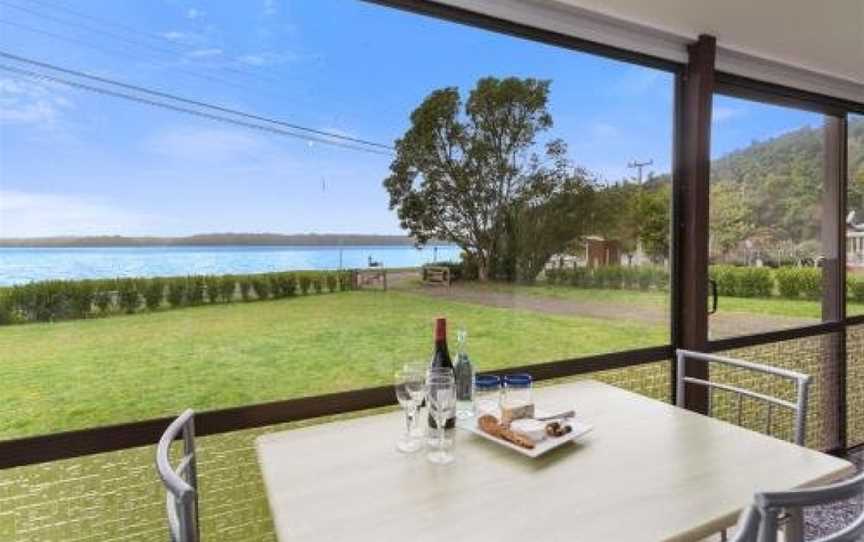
464, 376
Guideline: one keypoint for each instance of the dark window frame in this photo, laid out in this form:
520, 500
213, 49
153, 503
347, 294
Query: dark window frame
687, 320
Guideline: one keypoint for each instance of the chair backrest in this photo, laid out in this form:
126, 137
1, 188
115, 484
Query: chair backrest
801, 381
181, 483
748, 526
792, 503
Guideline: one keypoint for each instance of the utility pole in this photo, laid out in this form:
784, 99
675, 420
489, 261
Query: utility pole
639, 166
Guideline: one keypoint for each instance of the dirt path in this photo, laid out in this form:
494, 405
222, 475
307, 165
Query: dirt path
721, 324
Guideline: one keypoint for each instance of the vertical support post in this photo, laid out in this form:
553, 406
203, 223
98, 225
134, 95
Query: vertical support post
834, 270
693, 165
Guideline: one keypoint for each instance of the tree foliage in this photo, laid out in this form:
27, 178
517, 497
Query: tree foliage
469, 172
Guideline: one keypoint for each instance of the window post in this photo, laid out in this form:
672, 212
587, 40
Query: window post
693, 149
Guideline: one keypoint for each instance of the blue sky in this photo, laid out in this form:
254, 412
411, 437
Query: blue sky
74, 162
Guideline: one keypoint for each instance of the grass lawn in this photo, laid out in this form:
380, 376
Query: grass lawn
88, 373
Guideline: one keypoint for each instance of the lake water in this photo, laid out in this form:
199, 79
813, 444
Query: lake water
22, 265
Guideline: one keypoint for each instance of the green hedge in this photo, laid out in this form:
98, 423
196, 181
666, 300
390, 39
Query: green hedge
742, 281
732, 281
53, 300
612, 277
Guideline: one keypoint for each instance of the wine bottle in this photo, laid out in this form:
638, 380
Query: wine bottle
441, 359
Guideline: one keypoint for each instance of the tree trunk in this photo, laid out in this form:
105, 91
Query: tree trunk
482, 270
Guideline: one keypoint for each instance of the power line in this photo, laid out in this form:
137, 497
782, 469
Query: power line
111, 52
173, 50
211, 116
111, 22
197, 103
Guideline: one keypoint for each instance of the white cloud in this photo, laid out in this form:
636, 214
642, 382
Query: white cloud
174, 35
24, 102
267, 58
26, 214
205, 53
193, 13
723, 113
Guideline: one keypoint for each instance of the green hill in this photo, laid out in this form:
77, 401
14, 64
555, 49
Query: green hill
770, 192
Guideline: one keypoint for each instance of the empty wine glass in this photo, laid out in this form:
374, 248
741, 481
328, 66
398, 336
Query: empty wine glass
410, 391
441, 395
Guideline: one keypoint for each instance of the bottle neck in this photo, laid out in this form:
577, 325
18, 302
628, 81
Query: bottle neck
440, 331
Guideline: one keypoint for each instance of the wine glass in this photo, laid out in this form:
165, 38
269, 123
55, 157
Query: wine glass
441, 394
409, 384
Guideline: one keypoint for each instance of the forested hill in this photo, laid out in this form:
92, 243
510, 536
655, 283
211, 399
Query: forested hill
771, 190
795, 157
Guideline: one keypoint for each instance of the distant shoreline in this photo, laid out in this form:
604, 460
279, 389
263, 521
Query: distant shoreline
215, 240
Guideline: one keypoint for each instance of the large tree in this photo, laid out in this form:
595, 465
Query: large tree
464, 171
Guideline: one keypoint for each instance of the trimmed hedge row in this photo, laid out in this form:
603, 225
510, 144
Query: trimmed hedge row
52, 300
733, 281
613, 276
742, 281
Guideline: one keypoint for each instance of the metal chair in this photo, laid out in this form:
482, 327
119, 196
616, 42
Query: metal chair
181, 483
748, 526
799, 407
772, 504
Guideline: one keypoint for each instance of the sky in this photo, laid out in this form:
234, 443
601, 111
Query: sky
73, 162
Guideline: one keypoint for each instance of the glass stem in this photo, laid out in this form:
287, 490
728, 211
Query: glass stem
409, 421
440, 428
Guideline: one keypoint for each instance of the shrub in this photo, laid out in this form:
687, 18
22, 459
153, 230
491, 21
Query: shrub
332, 283
552, 274
40, 301
726, 278
630, 277
789, 282
645, 278
177, 292
81, 298
211, 288
153, 292
290, 284
245, 288
811, 282
128, 297
755, 282
195, 290
261, 286
346, 280
6, 312
317, 284
856, 287
661, 278
305, 282
614, 277
283, 284
103, 299
227, 286
579, 277
469, 268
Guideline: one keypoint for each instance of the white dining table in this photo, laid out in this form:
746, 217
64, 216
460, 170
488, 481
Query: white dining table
648, 471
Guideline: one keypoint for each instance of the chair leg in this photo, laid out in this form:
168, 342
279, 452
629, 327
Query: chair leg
793, 530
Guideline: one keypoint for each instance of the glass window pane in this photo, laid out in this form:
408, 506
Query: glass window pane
765, 217
537, 179
855, 217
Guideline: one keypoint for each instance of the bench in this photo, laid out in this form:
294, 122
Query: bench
435, 275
